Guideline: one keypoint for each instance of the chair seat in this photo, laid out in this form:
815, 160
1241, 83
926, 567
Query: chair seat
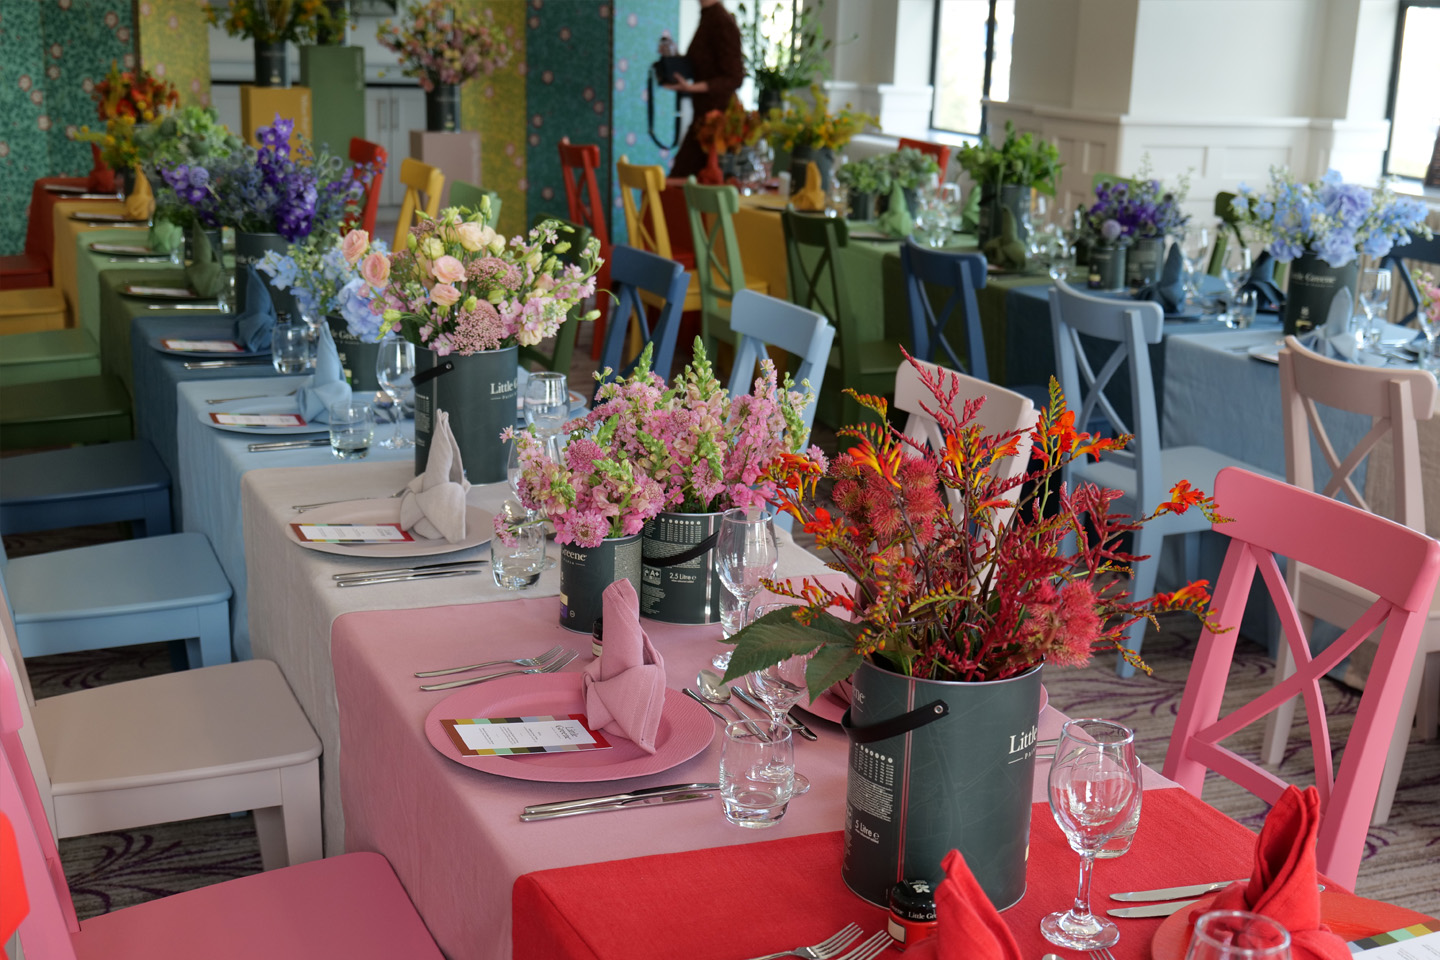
238, 718
60, 412
116, 579
349, 906
31, 309
1199, 465
24, 270
49, 355
76, 473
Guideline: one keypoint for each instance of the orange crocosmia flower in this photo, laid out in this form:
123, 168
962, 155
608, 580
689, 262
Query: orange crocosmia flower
1192, 594
884, 462
1182, 498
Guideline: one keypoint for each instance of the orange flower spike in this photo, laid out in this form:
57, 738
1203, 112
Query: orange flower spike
1182, 498
885, 462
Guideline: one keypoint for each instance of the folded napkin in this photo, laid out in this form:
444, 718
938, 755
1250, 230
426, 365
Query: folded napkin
970, 212
15, 905
140, 204
1169, 290
968, 927
1262, 281
102, 178
434, 503
711, 175
204, 274
896, 220
253, 327
1337, 321
327, 385
1006, 251
1282, 883
625, 687
165, 237
812, 195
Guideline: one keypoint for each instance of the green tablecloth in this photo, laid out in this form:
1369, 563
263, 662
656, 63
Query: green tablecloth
90, 266
117, 310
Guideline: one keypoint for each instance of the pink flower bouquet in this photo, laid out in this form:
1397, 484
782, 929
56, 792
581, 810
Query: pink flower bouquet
446, 42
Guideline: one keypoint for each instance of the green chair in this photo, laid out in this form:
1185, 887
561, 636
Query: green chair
812, 254
468, 195
558, 359
63, 412
718, 267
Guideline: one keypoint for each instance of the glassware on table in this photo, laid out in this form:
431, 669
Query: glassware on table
1236, 273
547, 407
518, 564
395, 369
1238, 935
757, 772
1429, 321
225, 298
746, 552
290, 346
1242, 310
781, 686
729, 615
1375, 302
1119, 843
951, 200
1094, 786
352, 429
1195, 248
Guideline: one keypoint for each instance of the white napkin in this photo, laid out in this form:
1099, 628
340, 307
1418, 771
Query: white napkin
328, 385
434, 502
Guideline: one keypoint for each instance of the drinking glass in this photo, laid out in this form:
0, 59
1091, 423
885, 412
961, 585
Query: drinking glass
1235, 273
1119, 843
290, 347
757, 772
781, 685
394, 369
518, 564
1242, 311
1194, 247
746, 552
954, 207
1238, 935
547, 407
1429, 321
225, 298
1375, 301
352, 427
1094, 788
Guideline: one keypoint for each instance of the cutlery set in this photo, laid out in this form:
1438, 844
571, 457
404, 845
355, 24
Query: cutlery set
226, 364
288, 444
1168, 899
647, 797
549, 665
713, 692
303, 507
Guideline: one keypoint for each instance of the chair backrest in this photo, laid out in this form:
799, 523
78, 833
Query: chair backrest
1394, 400
1132, 325
640, 187
469, 196
718, 265
1417, 249
812, 258
939, 151
418, 178
1397, 564
962, 274
372, 155
559, 358
1003, 411
633, 273
760, 322
578, 165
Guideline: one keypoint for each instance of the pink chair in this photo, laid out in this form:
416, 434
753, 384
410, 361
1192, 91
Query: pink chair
350, 906
1399, 566
1395, 400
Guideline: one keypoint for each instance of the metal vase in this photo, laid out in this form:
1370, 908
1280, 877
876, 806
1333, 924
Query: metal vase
992, 199
822, 157
585, 572
680, 583
1313, 284
442, 108
1143, 261
479, 394
1107, 266
357, 356
250, 249
936, 766
862, 205
271, 67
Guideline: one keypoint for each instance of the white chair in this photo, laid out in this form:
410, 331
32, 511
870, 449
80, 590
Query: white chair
1395, 400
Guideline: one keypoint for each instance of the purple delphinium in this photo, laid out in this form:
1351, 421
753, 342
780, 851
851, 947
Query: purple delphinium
1142, 209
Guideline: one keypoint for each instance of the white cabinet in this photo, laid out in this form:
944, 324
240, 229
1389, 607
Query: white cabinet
392, 112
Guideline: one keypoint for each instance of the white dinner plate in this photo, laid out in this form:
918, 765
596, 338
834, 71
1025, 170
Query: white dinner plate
479, 527
158, 293
1268, 352
277, 404
124, 250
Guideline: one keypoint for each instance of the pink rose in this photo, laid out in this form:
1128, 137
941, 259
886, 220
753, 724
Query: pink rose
353, 246
375, 268
448, 270
444, 294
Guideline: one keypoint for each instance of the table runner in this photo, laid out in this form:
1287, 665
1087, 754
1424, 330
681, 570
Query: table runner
40, 227
69, 234
117, 310
89, 266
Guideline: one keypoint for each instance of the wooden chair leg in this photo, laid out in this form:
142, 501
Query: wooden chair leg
214, 640
157, 514
289, 833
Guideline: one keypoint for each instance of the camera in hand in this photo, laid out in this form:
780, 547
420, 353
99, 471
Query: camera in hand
663, 72
666, 68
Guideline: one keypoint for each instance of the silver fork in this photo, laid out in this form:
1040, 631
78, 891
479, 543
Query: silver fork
824, 950
550, 667
871, 948
302, 507
253, 396
536, 661
1102, 954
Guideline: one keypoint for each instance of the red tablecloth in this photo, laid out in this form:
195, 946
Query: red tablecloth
39, 237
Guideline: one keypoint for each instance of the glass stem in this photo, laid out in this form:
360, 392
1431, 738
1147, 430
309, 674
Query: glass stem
1082, 895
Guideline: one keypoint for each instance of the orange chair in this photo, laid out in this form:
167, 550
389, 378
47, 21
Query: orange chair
578, 163
939, 151
365, 153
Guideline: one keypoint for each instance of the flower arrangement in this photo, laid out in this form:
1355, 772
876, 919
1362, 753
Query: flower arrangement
1141, 208
190, 136
1021, 159
125, 102
1333, 219
445, 42
910, 168
1429, 288
730, 129
804, 124
972, 598
327, 274
276, 21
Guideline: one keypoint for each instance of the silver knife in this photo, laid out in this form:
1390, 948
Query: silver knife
431, 575
790, 721
623, 805
293, 445
1174, 893
225, 364
184, 306
1152, 909
621, 797
423, 568
705, 703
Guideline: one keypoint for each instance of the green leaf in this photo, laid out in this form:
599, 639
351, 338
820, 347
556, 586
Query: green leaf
832, 663
777, 636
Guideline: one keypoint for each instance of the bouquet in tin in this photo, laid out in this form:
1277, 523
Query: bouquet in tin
126, 102
276, 21
962, 591
326, 273
727, 130
446, 42
1141, 207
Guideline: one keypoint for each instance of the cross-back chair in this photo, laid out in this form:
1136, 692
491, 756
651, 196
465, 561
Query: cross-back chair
418, 178
762, 322
364, 153
579, 163
1398, 568
645, 223
1417, 249
638, 279
961, 274
719, 271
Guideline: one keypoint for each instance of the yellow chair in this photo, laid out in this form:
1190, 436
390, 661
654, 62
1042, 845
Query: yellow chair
418, 178
645, 221
31, 309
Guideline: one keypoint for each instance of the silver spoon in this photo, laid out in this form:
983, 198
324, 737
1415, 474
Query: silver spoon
713, 689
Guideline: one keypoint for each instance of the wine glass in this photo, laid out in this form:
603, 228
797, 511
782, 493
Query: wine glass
1375, 301
1235, 273
746, 552
1429, 325
1194, 246
1093, 790
1238, 935
395, 369
781, 685
547, 407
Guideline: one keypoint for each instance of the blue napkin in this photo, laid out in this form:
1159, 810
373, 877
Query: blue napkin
1169, 291
1262, 280
328, 384
253, 327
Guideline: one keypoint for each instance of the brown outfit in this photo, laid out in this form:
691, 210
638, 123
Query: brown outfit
716, 58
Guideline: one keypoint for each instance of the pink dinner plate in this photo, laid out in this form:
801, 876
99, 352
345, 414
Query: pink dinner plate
830, 707
686, 728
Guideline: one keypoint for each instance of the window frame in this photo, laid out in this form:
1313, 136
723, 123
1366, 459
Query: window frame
991, 24
1394, 86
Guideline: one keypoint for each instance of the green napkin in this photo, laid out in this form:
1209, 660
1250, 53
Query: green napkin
896, 219
1006, 251
970, 212
205, 274
165, 237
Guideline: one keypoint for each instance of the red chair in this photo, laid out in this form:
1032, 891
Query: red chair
1397, 565
362, 153
939, 151
578, 163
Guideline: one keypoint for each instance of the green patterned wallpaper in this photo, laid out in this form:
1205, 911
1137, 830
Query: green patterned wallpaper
175, 44
495, 105
638, 26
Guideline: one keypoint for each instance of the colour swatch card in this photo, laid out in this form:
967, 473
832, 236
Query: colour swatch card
351, 533
1418, 942
258, 419
504, 736
203, 346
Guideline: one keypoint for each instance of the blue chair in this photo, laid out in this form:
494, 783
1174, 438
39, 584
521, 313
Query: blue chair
1417, 249
962, 274
633, 273
123, 593
762, 321
1143, 473
103, 483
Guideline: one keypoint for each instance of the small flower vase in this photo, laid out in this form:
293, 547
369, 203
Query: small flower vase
585, 572
680, 582
357, 356
862, 205
442, 108
1312, 285
1143, 262
271, 67
1107, 266
711, 175
480, 395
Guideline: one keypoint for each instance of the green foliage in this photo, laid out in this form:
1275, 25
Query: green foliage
1022, 159
781, 53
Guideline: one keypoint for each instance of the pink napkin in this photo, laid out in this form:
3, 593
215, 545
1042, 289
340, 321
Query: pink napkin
625, 687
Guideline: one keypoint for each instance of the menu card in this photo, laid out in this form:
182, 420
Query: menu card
203, 346
258, 419
351, 533
505, 736
1418, 942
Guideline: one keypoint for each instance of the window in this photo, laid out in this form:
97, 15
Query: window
1414, 109
971, 61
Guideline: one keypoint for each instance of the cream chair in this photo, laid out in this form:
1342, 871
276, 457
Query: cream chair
417, 178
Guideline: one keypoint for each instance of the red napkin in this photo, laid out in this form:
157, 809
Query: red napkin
968, 925
625, 687
1282, 884
15, 904
102, 178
